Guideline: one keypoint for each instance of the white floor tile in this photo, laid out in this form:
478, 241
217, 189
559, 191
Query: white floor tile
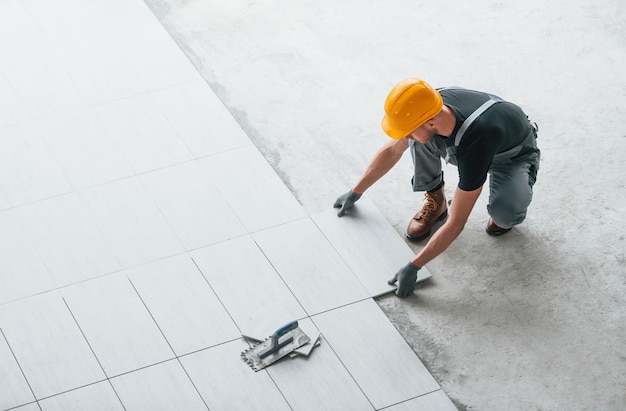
4, 200
12, 110
143, 134
14, 389
98, 68
24, 33
161, 387
129, 219
95, 397
117, 325
86, 152
22, 272
375, 354
65, 234
63, 20
228, 383
435, 401
149, 49
201, 119
124, 13
250, 289
48, 345
183, 305
42, 83
252, 188
28, 168
318, 382
192, 205
368, 244
310, 266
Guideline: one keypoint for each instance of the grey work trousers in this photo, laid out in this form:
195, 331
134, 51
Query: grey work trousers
511, 181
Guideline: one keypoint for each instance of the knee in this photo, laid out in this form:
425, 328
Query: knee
509, 210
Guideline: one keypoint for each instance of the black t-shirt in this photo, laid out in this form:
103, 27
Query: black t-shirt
502, 127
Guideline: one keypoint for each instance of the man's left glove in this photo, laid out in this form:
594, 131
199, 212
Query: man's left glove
406, 279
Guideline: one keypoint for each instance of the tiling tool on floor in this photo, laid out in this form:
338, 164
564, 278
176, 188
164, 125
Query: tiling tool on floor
283, 342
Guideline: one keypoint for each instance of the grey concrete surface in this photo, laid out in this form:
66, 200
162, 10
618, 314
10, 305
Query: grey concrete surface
534, 320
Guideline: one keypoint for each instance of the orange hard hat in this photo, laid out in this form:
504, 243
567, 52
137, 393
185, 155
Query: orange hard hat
411, 103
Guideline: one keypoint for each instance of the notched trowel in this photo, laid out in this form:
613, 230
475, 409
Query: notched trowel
283, 342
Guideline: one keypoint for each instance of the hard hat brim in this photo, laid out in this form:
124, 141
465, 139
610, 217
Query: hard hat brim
393, 132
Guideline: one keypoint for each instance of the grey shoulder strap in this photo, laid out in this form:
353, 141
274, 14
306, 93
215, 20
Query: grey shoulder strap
469, 120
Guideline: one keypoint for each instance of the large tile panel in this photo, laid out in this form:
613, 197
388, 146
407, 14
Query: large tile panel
98, 68
192, 205
22, 272
150, 50
375, 354
95, 397
117, 325
368, 244
85, 150
14, 389
227, 383
200, 119
65, 234
310, 266
4, 200
435, 401
28, 168
23, 31
42, 83
183, 304
164, 386
253, 293
142, 133
129, 219
48, 344
318, 382
12, 110
252, 188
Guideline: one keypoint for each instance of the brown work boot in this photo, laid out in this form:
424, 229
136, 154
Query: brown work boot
493, 229
435, 209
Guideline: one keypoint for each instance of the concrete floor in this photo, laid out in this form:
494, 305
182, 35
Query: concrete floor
534, 320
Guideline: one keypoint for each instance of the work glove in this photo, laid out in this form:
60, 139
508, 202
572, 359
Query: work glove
406, 279
345, 201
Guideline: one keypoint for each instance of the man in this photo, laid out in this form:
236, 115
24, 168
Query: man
479, 133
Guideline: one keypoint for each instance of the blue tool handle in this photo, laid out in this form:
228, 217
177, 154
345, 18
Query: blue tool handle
274, 344
285, 329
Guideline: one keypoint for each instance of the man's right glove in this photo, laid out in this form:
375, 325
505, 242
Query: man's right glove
345, 201
406, 279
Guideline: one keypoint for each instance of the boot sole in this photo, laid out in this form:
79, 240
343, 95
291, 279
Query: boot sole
420, 238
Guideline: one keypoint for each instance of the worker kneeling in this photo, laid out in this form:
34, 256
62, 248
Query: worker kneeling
478, 132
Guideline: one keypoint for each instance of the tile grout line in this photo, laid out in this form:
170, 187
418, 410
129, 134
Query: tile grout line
343, 364
116, 180
168, 343
411, 399
239, 329
20, 367
354, 274
94, 354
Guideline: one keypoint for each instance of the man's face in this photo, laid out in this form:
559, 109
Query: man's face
422, 134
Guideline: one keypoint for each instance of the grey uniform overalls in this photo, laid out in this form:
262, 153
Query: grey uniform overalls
512, 173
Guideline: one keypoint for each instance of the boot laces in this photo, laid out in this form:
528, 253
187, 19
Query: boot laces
429, 208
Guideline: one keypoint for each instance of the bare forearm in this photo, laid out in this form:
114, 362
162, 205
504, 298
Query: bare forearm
437, 244
384, 160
